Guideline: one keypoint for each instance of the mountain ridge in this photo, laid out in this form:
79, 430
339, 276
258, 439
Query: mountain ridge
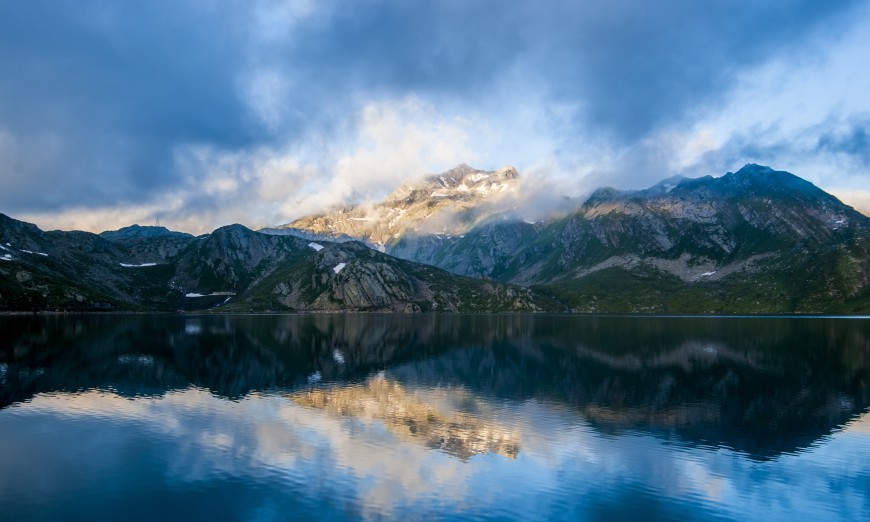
233, 269
753, 241
726, 235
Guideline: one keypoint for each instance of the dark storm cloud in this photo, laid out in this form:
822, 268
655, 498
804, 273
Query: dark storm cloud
96, 97
853, 140
628, 65
97, 94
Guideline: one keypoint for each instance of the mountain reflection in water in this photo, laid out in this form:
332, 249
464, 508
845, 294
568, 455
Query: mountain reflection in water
526, 390
412, 419
761, 386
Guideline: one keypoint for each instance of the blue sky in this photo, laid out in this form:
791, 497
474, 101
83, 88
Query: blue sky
204, 113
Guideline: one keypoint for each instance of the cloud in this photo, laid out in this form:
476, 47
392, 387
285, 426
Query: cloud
106, 107
396, 143
98, 95
851, 140
382, 146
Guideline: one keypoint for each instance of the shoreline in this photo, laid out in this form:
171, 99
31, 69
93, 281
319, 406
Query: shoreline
796, 315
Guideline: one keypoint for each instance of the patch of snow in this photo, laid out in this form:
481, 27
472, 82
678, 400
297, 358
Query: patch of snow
709, 349
314, 377
381, 248
669, 187
337, 268
337, 356
7, 244
3, 248
35, 253
315, 246
125, 265
194, 294
227, 300
529, 221
839, 222
705, 274
6, 257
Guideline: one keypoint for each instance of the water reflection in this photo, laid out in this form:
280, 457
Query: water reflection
480, 417
760, 386
414, 419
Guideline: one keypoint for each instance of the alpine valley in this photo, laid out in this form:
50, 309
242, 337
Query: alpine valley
752, 241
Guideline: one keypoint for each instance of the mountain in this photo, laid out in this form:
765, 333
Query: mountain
231, 269
140, 232
752, 241
757, 240
448, 204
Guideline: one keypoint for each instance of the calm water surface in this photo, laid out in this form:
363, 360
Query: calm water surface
347, 417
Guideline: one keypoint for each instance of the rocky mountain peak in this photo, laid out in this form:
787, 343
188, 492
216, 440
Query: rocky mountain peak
763, 175
603, 194
753, 169
468, 179
139, 232
445, 204
763, 181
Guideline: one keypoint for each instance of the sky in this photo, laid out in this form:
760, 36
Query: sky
209, 112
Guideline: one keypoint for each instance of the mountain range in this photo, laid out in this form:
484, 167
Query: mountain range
752, 241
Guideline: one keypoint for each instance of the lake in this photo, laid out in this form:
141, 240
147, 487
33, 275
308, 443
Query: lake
433, 417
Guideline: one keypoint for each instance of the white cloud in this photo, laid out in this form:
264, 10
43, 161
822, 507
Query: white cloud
396, 142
